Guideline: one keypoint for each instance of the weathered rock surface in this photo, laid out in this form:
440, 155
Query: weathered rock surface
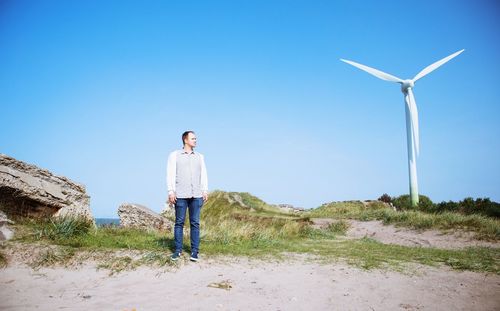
5, 232
139, 216
168, 210
29, 191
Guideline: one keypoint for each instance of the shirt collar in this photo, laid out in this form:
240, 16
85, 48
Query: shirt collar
186, 152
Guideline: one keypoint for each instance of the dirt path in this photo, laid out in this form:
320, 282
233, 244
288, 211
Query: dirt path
242, 284
390, 234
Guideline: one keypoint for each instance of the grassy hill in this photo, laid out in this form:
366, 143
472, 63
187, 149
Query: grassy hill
234, 217
221, 203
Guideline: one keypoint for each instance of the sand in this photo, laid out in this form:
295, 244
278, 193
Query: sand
298, 283
390, 234
243, 284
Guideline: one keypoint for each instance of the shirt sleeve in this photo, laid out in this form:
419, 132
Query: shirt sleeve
171, 172
204, 179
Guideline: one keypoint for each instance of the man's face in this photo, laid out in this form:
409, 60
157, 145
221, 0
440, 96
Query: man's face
191, 140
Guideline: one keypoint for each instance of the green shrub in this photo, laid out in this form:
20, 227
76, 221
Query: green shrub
469, 206
385, 198
403, 203
339, 227
449, 206
479, 206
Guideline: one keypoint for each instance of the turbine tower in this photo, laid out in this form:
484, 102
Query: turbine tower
413, 143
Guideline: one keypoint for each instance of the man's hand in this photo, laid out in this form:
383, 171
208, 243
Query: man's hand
172, 198
205, 197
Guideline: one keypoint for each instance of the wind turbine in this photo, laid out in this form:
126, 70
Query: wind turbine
412, 134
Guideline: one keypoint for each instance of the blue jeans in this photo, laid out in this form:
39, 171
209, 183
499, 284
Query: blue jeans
194, 205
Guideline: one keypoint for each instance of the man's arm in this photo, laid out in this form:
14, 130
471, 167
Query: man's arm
171, 175
204, 179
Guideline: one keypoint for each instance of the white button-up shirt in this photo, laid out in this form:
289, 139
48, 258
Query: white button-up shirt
187, 174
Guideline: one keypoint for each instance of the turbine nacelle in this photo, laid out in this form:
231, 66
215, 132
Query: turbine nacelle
406, 84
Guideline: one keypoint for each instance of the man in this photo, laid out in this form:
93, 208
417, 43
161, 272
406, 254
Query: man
187, 189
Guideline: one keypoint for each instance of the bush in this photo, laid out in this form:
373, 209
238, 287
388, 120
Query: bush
468, 206
479, 206
339, 227
491, 208
403, 202
385, 198
449, 206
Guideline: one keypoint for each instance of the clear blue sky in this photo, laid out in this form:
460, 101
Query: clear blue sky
100, 91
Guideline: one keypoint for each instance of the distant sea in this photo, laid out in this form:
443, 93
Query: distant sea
107, 221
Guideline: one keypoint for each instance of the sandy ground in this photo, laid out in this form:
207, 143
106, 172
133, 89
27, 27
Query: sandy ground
299, 283
242, 284
389, 234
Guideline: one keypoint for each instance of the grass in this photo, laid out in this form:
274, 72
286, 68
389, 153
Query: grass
365, 253
62, 228
116, 264
3, 260
229, 223
255, 229
339, 227
368, 253
486, 228
53, 256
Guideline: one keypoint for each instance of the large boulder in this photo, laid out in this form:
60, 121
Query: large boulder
29, 191
139, 216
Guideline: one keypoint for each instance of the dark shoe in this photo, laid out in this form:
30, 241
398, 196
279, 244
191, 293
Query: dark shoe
194, 257
175, 256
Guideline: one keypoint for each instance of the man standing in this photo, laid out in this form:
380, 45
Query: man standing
188, 189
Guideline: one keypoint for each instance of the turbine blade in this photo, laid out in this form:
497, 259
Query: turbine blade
435, 65
377, 73
414, 120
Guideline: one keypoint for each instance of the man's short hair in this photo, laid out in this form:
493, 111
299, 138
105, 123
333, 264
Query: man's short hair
185, 135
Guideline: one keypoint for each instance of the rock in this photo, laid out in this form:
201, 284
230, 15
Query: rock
29, 191
139, 216
168, 210
5, 232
